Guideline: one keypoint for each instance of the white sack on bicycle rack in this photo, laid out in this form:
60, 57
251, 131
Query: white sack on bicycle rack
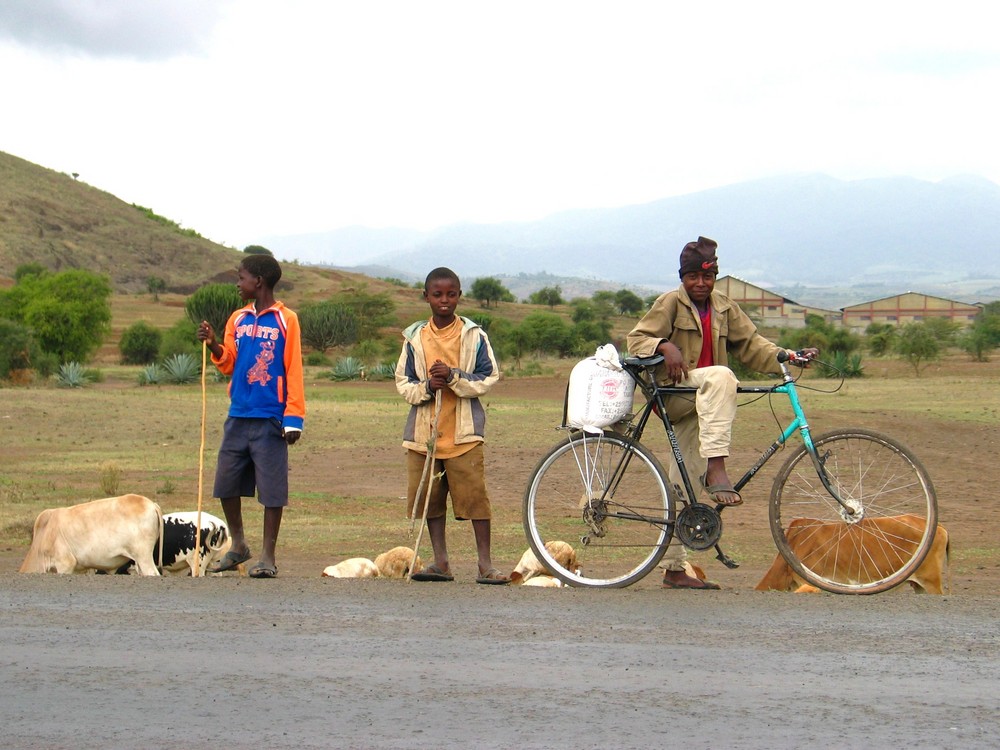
599, 393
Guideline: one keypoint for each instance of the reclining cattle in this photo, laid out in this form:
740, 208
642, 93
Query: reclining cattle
99, 535
178, 543
852, 554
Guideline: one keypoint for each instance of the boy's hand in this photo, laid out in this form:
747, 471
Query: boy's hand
439, 375
206, 334
292, 436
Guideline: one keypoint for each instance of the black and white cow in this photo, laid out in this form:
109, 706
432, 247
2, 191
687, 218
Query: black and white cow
179, 545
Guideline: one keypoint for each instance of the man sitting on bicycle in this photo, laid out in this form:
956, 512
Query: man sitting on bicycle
675, 328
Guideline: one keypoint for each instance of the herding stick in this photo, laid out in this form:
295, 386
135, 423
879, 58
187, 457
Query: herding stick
428, 470
201, 464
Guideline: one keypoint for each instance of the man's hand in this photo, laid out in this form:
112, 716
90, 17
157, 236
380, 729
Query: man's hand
292, 436
673, 361
803, 357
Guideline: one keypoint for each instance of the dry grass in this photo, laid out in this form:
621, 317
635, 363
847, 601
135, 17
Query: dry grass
347, 475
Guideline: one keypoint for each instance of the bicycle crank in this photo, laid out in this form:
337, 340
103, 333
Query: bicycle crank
698, 526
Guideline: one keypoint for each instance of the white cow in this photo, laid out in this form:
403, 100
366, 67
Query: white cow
178, 543
353, 567
99, 535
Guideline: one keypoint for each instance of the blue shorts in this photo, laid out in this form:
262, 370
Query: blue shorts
253, 459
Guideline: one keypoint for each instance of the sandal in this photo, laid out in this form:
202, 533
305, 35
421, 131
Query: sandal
493, 577
230, 561
714, 489
263, 570
432, 573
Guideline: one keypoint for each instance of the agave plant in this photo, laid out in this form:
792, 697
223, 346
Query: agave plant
182, 368
72, 375
382, 371
151, 375
347, 368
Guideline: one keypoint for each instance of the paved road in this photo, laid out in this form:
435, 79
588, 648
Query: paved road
126, 662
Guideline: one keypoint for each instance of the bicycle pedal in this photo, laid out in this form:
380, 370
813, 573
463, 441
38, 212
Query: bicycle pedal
726, 560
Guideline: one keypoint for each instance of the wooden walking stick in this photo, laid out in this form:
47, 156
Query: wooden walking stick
427, 477
201, 464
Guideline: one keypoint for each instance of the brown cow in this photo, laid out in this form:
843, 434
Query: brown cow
99, 535
832, 550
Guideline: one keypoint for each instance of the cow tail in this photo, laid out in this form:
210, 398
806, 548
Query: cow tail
159, 561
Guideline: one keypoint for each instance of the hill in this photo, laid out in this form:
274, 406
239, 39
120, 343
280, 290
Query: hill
50, 218
813, 238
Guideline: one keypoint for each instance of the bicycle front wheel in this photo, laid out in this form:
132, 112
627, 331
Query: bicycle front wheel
608, 499
886, 537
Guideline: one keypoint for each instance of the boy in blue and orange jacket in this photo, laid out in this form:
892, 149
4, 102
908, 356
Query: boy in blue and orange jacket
262, 352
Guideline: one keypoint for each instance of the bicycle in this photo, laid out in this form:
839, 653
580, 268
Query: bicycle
610, 493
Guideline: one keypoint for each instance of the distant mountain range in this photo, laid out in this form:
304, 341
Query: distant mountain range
815, 239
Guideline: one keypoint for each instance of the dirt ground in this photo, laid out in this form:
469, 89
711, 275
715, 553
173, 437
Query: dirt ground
307, 662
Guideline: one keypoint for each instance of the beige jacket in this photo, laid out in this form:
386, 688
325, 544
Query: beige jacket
673, 317
476, 374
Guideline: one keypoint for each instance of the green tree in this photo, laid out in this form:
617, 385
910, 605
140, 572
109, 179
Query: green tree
547, 332
155, 285
328, 324
373, 311
140, 344
917, 345
547, 295
628, 302
880, 338
945, 330
257, 250
68, 313
983, 336
590, 334
214, 303
827, 337
487, 289
19, 351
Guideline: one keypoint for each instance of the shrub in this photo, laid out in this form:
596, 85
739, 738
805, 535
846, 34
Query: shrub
19, 350
317, 359
111, 474
328, 324
182, 368
140, 344
483, 320
181, 338
72, 375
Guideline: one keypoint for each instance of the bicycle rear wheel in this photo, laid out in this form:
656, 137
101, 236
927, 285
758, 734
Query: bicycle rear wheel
883, 542
608, 499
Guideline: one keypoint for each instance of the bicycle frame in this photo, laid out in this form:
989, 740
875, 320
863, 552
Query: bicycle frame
641, 371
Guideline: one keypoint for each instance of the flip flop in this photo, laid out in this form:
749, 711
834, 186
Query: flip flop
432, 573
263, 570
230, 561
715, 488
493, 577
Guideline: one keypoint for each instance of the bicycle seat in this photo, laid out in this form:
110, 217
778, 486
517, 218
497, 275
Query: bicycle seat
643, 361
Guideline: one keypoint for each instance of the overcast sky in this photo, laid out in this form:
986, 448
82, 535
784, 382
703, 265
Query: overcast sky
250, 119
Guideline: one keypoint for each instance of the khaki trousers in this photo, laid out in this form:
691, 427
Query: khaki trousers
704, 429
